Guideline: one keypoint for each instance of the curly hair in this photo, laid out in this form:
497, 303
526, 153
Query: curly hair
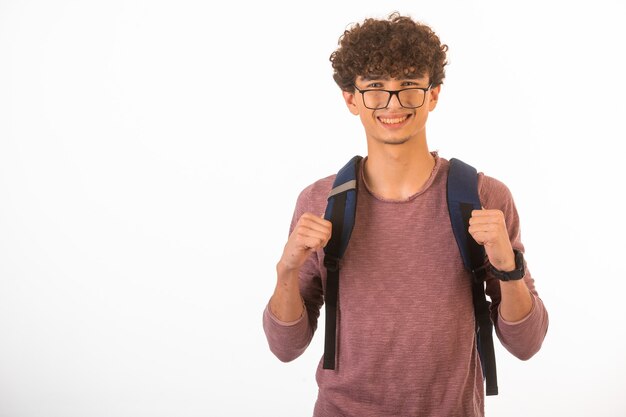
393, 47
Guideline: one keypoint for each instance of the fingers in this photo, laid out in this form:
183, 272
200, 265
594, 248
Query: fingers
312, 232
485, 227
315, 224
312, 218
487, 213
482, 237
311, 239
488, 227
487, 217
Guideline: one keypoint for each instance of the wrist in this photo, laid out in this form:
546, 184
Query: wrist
508, 272
505, 263
285, 272
505, 266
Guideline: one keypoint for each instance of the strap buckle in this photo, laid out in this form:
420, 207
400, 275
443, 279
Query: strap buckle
331, 262
479, 274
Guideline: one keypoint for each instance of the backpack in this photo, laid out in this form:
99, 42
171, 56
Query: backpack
462, 196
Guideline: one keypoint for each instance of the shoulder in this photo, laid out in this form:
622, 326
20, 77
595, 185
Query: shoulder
493, 192
319, 187
313, 197
490, 189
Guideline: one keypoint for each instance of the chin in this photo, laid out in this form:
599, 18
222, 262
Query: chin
399, 141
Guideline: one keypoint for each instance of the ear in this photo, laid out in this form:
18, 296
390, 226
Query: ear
350, 100
434, 97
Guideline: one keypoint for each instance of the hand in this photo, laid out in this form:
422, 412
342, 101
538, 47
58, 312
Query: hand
310, 234
488, 228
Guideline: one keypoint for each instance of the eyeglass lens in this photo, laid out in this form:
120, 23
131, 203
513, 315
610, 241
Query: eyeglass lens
410, 98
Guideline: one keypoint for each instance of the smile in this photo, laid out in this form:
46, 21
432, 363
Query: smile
394, 120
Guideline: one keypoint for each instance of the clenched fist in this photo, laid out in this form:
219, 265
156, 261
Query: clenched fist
310, 234
488, 228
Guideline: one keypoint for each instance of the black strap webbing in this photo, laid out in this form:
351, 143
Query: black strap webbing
463, 197
484, 326
331, 262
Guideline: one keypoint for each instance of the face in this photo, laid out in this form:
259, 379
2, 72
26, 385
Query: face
394, 124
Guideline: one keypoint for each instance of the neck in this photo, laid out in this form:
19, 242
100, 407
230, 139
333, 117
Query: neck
396, 172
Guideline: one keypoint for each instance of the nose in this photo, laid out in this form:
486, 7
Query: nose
394, 100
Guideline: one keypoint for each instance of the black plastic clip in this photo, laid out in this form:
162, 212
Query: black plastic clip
479, 273
331, 263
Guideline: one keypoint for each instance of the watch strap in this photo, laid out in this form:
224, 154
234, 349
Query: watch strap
514, 275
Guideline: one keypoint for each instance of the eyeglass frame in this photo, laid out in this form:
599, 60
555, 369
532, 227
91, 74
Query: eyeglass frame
391, 94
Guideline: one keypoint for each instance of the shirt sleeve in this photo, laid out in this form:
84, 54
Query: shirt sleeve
522, 338
288, 340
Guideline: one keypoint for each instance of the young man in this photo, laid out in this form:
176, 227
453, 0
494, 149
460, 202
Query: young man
405, 330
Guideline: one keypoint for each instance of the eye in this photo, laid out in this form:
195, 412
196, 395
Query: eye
374, 85
409, 84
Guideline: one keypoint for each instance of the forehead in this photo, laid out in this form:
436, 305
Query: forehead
375, 77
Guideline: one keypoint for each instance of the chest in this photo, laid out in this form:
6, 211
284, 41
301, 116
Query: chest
404, 256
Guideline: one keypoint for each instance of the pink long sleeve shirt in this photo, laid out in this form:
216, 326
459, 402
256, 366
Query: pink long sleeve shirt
405, 340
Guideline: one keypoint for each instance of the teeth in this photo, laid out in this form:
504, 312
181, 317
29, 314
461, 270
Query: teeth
394, 121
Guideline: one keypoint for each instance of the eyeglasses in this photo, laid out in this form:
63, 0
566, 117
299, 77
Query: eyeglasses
409, 98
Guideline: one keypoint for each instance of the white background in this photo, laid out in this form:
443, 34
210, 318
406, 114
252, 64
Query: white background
151, 153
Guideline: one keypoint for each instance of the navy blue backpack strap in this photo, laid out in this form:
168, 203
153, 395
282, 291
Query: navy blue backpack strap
462, 192
341, 212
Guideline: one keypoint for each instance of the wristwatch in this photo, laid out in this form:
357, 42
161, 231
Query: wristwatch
517, 273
